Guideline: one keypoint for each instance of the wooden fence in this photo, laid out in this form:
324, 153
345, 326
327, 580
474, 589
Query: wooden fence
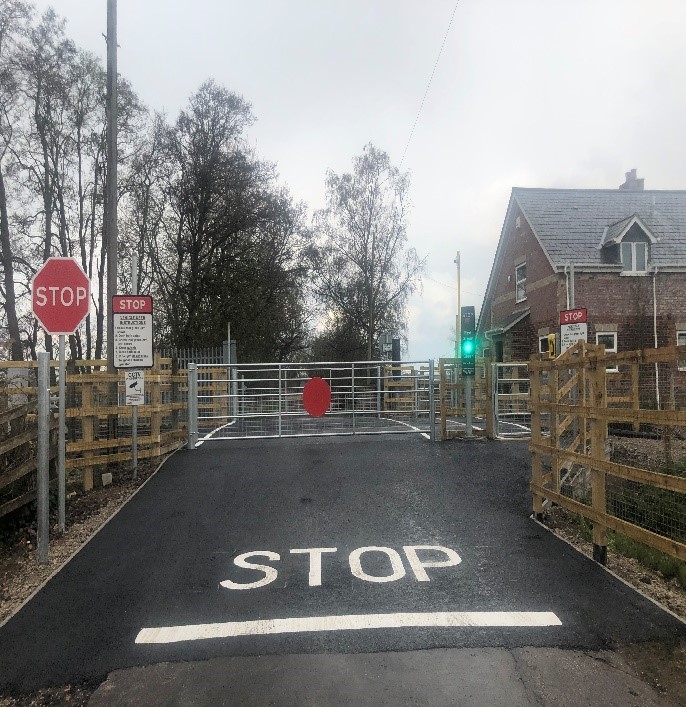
99, 425
18, 442
609, 442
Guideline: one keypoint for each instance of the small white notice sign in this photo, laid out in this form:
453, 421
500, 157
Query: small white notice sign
134, 382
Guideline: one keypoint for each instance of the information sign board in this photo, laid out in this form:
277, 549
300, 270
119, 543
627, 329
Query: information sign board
573, 327
132, 331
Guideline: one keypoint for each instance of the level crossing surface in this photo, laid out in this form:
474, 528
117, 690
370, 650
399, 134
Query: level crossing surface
366, 545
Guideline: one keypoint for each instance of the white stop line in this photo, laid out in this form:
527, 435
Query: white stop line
447, 619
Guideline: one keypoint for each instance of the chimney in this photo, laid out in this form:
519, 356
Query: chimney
632, 183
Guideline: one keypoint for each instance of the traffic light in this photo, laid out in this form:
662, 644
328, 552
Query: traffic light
467, 340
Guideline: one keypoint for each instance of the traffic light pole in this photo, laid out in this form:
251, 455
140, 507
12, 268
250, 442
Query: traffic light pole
468, 356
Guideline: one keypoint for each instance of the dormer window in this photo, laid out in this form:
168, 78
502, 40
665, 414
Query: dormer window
634, 257
628, 242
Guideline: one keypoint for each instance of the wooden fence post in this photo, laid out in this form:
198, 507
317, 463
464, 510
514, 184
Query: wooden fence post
174, 393
490, 413
583, 399
635, 400
155, 403
88, 432
536, 437
598, 438
553, 382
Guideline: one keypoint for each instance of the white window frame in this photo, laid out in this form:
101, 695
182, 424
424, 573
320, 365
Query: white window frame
633, 270
520, 282
541, 341
612, 349
681, 334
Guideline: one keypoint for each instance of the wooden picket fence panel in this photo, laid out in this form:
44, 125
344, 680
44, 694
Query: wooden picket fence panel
609, 442
99, 424
18, 443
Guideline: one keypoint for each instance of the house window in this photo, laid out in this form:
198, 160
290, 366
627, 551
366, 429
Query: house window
634, 257
609, 340
520, 282
681, 341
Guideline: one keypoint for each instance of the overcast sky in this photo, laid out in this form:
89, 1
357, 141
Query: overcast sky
532, 93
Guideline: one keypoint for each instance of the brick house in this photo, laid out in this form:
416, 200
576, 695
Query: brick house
622, 251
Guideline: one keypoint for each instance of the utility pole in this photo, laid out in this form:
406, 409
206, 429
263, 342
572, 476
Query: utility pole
457, 314
111, 235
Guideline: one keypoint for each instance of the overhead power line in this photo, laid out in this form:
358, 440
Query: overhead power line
428, 85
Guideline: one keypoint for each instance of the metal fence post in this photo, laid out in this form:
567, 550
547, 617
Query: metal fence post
43, 469
352, 382
432, 403
62, 443
192, 405
280, 399
378, 391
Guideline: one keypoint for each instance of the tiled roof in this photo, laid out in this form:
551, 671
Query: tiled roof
511, 320
570, 223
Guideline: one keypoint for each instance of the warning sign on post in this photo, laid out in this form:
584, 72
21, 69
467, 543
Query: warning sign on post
132, 331
573, 327
135, 387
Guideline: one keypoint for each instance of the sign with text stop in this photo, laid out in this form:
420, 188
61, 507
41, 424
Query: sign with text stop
60, 294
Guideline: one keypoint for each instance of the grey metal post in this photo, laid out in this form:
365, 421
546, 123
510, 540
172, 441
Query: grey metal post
234, 378
378, 391
61, 444
43, 457
192, 405
111, 184
432, 403
280, 394
134, 411
352, 382
494, 401
468, 404
571, 286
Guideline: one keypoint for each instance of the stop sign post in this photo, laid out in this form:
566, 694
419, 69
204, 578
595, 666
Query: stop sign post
60, 298
60, 295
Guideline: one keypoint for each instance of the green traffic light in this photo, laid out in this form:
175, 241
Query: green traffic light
468, 347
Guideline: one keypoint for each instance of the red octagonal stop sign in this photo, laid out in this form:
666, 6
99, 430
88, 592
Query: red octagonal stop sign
60, 294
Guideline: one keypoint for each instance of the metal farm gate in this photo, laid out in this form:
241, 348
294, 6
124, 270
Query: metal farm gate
512, 417
241, 401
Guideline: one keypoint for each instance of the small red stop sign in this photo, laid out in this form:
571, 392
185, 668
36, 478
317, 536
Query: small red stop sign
316, 396
60, 294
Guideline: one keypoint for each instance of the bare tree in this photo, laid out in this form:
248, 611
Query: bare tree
364, 270
13, 24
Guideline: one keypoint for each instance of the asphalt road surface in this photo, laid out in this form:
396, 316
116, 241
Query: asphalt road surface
323, 547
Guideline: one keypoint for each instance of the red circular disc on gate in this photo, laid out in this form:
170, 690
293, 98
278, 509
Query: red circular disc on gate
316, 396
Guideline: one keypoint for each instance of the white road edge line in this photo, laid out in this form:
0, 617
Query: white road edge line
407, 424
209, 434
448, 619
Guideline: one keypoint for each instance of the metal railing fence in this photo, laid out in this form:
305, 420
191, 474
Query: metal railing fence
266, 400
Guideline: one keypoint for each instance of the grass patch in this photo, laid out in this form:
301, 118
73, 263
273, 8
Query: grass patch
669, 567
